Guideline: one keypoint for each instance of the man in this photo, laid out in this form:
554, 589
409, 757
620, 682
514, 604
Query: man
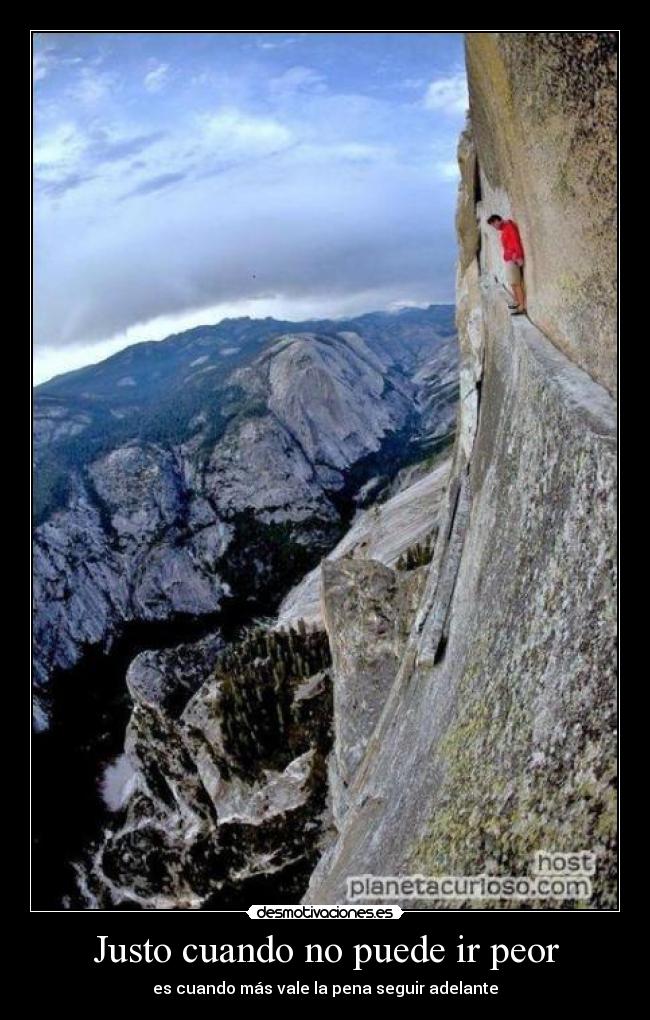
513, 256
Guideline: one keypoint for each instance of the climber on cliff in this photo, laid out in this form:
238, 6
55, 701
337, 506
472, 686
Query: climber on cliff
513, 256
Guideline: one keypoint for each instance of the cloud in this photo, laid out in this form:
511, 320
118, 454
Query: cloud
48, 59
51, 361
155, 184
103, 148
412, 83
267, 44
352, 152
295, 234
91, 86
67, 158
62, 146
254, 180
447, 170
231, 132
43, 62
296, 79
447, 95
156, 79
55, 187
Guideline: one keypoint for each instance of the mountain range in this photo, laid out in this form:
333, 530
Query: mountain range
199, 477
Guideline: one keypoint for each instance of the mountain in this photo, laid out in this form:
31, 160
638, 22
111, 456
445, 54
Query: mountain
159, 392
218, 465
182, 489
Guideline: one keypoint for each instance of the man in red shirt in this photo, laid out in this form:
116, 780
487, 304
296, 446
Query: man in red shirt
513, 256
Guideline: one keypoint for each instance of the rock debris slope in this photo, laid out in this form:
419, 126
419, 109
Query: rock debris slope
497, 731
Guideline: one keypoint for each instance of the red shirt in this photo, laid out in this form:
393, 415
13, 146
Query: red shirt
513, 250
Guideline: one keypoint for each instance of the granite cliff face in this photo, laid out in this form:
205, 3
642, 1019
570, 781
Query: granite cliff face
496, 720
544, 116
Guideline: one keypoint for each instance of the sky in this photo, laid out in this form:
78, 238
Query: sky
181, 178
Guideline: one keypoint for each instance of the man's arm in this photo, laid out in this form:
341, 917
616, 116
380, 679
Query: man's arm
515, 242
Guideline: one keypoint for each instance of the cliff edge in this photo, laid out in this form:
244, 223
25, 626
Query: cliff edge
497, 737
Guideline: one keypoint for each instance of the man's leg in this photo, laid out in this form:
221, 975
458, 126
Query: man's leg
520, 297
514, 276
522, 286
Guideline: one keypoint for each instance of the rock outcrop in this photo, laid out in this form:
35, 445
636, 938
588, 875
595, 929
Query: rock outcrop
383, 533
497, 735
370, 608
224, 791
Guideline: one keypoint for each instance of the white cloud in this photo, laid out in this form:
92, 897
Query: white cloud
295, 233
51, 361
447, 170
447, 95
48, 59
59, 148
354, 152
297, 79
413, 83
232, 133
156, 79
43, 63
266, 44
262, 190
91, 87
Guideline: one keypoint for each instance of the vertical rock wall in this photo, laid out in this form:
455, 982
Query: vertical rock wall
544, 116
498, 735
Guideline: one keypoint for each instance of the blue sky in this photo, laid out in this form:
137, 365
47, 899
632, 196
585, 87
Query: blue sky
181, 178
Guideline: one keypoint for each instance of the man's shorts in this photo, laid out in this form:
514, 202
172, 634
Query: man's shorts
513, 272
